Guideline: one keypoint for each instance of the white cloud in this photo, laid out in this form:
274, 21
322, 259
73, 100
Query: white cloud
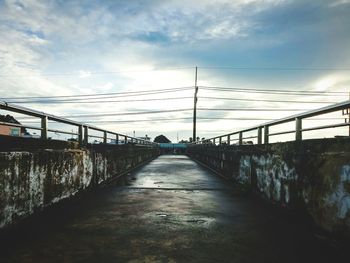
40, 37
339, 2
332, 82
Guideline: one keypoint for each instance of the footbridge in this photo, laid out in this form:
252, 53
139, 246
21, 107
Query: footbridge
232, 198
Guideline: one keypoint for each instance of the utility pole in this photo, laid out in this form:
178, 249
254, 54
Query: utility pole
195, 106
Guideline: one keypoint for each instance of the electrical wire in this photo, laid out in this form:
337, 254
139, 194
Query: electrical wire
92, 102
259, 100
187, 118
161, 99
277, 90
125, 113
272, 91
138, 93
249, 109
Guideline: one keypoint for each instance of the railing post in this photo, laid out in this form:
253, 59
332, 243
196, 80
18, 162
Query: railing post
214, 141
240, 138
44, 127
117, 139
86, 134
220, 141
125, 140
80, 134
105, 137
259, 135
298, 128
228, 139
266, 134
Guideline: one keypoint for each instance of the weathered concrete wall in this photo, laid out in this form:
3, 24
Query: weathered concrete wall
32, 180
311, 177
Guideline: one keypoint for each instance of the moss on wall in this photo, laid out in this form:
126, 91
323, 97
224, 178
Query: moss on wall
311, 176
33, 180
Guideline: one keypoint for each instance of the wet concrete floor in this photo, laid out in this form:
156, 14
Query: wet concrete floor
171, 210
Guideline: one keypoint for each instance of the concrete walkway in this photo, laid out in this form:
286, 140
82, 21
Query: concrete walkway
171, 210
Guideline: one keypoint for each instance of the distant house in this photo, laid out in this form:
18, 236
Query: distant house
11, 130
146, 138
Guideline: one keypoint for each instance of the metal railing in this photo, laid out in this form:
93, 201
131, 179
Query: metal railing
83, 129
263, 133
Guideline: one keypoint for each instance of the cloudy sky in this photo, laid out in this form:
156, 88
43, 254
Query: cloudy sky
63, 48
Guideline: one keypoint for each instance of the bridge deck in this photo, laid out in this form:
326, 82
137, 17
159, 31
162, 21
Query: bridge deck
171, 210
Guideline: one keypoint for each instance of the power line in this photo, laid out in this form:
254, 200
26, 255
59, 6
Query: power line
159, 91
124, 113
176, 110
258, 100
187, 118
138, 93
97, 101
275, 90
249, 109
271, 92
167, 111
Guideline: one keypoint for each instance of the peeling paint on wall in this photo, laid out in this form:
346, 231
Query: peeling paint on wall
341, 196
32, 181
311, 177
274, 177
244, 176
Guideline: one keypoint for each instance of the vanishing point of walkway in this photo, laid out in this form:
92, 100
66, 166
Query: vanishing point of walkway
171, 210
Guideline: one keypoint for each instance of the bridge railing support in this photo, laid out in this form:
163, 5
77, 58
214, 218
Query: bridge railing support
44, 127
298, 129
263, 133
266, 134
259, 135
240, 138
82, 135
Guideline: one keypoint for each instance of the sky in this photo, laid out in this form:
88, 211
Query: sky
62, 48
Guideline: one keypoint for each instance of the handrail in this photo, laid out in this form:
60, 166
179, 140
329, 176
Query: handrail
83, 131
263, 129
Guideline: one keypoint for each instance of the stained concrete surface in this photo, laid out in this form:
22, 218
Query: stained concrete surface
171, 210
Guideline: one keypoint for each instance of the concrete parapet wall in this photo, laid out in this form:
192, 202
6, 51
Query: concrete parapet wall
311, 177
32, 180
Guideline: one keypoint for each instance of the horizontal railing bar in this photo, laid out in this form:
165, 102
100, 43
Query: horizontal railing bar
236, 133
280, 133
95, 136
20, 109
63, 132
250, 137
97, 129
304, 115
311, 113
249, 129
33, 113
326, 127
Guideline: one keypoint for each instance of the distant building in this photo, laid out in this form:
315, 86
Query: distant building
146, 138
7, 129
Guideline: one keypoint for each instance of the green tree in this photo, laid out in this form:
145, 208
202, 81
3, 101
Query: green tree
161, 139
